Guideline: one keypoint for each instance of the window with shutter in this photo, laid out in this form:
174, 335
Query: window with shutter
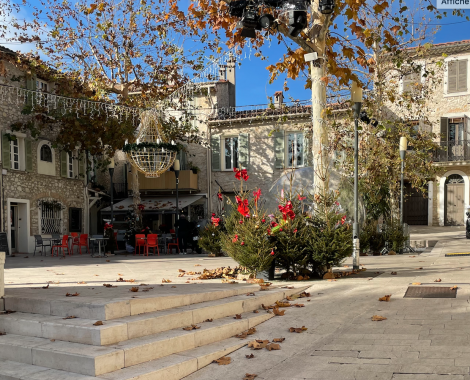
231, 153
243, 150
279, 153
457, 76
215, 157
410, 81
295, 149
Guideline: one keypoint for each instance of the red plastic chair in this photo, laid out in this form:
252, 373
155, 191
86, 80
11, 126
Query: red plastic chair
65, 244
74, 239
83, 242
152, 242
139, 243
176, 244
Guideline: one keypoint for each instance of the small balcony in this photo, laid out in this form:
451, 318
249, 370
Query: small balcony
451, 151
167, 181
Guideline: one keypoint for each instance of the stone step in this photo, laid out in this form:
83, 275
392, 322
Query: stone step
82, 330
94, 303
172, 367
99, 360
177, 366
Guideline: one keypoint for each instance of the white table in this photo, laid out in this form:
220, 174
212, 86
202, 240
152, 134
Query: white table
99, 240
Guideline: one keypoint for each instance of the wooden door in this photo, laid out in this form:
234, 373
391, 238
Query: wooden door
455, 204
415, 211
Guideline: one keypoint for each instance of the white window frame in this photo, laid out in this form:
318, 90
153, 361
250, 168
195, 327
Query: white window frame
456, 58
21, 152
423, 71
74, 172
286, 145
223, 152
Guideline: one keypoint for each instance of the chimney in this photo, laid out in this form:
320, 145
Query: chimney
225, 86
222, 72
278, 99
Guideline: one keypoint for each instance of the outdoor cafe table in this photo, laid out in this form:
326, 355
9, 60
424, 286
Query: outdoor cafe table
99, 240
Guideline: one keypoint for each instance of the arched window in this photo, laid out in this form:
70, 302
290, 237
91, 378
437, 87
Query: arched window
46, 153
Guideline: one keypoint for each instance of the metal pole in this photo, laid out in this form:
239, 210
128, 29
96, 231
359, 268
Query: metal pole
177, 174
111, 172
356, 242
401, 190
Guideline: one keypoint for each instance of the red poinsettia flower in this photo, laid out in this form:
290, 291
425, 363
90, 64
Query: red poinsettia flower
220, 196
300, 198
242, 243
241, 173
215, 221
257, 194
235, 239
343, 219
287, 211
273, 224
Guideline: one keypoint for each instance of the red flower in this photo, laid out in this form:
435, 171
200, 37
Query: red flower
243, 207
213, 214
241, 173
219, 195
141, 207
242, 243
240, 221
272, 252
343, 219
287, 211
215, 221
273, 224
257, 194
300, 198
235, 239
107, 226
280, 229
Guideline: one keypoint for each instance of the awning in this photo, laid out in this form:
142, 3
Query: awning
156, 204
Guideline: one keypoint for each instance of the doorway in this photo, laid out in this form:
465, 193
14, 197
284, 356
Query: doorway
454, 200
13, 227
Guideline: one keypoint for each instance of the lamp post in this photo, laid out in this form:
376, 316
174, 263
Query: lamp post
403, 147
111, 173
356, 100
176, 168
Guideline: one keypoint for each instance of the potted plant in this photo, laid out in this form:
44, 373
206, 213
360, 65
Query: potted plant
193, 168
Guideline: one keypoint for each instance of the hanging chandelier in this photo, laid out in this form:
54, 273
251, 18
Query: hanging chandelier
152, 154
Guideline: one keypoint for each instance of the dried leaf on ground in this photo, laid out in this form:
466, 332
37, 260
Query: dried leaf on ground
147, 289
181, 271
46, 287
273, 346
109, 286
224, 281
304, 294
223, 361
8, 312
283, 304
331, 280
287, 287
256, 311
251, 356
181, 275
454, 287
72, 295
378, 318
279, 340
298, 330
173, 286
385, 298
192, 327
419, 268
120, 279
70, 317
208, 320
267, 307
197, 265
98, 323
416, 283
298, 305
258, 344
3, 333
52, 340
278, 312
438, 280
187, 282
249, 376
108, 261
134, 289
166, 281
81, 282
237, 316
250, 294
394, 273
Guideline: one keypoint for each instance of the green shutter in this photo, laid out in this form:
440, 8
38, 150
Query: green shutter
243, 150
28, 155
279, 153
444, 124
6, 152
82, 166
307, 156
63, 164
31, 85
215, 147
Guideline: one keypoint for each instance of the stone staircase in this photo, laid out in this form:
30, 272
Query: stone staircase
141, 338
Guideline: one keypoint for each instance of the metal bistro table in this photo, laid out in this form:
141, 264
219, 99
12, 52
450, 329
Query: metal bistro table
99, 240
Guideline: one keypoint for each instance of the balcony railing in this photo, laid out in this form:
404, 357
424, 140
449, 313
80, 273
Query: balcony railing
453, 151
167, 181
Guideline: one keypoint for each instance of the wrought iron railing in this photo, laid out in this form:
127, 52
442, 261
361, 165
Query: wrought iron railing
452, 151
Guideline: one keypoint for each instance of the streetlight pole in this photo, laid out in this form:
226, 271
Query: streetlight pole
176, 168
356, 99
403, 148
111, 173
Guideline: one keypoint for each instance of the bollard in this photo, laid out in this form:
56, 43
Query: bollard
2, 280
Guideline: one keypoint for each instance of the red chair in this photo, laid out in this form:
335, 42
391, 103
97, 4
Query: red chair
83, 242
152, 242
176, 244
139, 243
74, 239
65, 244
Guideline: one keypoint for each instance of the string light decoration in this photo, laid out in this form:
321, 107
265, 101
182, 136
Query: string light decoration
152, 154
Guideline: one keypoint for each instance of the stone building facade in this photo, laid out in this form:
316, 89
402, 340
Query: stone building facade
42, 188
